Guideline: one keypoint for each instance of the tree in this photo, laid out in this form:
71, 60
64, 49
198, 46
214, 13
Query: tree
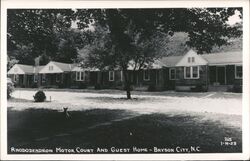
128, 33
101, 53
36, 30
208, 28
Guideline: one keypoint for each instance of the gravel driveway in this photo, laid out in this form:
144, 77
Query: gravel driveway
222, 103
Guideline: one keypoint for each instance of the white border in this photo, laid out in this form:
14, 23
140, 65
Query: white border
127, 4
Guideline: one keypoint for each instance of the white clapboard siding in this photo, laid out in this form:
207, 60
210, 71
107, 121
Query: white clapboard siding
48, 69
198, 60
16, 69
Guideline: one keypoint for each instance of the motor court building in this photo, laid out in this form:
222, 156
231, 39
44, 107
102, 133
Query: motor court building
214, 71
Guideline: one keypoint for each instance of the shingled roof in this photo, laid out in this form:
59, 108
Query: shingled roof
170, 61
224, 58
24, 69
64, 66
234, 57
38, 68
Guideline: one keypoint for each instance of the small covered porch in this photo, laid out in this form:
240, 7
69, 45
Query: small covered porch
55, 75
22, 75
224, 76
54, 80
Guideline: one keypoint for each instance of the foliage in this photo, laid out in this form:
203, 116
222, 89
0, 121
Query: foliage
98, 87
40, 96
10, 89
235, 89
33, 32
208, 28
119, 38
83, 86
11, 62
124, 38
199, 88
152, 88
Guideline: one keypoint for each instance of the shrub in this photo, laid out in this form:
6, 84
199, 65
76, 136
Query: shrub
10, 89
197, 88
61, 85
34, 85
131, 87
98, 86
82, 86
151, 88
39, 96
237, 89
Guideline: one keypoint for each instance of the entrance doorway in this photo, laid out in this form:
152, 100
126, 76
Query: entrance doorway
217, 75
221, 75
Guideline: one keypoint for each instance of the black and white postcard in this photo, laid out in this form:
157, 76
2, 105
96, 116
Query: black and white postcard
113, 80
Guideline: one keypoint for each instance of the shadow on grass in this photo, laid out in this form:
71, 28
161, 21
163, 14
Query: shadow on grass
40, 128
134, 100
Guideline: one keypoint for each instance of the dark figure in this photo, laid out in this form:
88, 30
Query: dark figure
66, 113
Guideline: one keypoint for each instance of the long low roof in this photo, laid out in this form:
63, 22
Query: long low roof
170, 61
224, 58
57, 67
24, 69
64, 66
212, 59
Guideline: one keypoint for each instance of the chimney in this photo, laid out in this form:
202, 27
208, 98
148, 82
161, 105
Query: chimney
37, 61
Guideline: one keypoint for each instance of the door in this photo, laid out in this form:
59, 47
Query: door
67, 79
92, 78
30, 80
221, 75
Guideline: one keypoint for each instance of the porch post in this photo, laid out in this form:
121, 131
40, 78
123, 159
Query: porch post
137, 79
225, 75
62, 78
156, 77
207, 75
24, 80
216, 74
39, 80
99, 77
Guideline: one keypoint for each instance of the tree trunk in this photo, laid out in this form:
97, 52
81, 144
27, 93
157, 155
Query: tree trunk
128, 93
127, 84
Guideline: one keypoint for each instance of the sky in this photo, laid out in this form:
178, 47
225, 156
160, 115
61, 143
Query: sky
234, 19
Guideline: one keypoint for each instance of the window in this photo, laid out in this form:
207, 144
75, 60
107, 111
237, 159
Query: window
195, 72
111, 75
191, 59
172, 74
146, 75
50, 67
187, 72
238, 71
35, 78
191, 72
80, 76
15, 77
43, 78
121, 75
58, 77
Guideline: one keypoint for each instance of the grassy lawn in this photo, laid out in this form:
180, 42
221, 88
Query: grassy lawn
44, 128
